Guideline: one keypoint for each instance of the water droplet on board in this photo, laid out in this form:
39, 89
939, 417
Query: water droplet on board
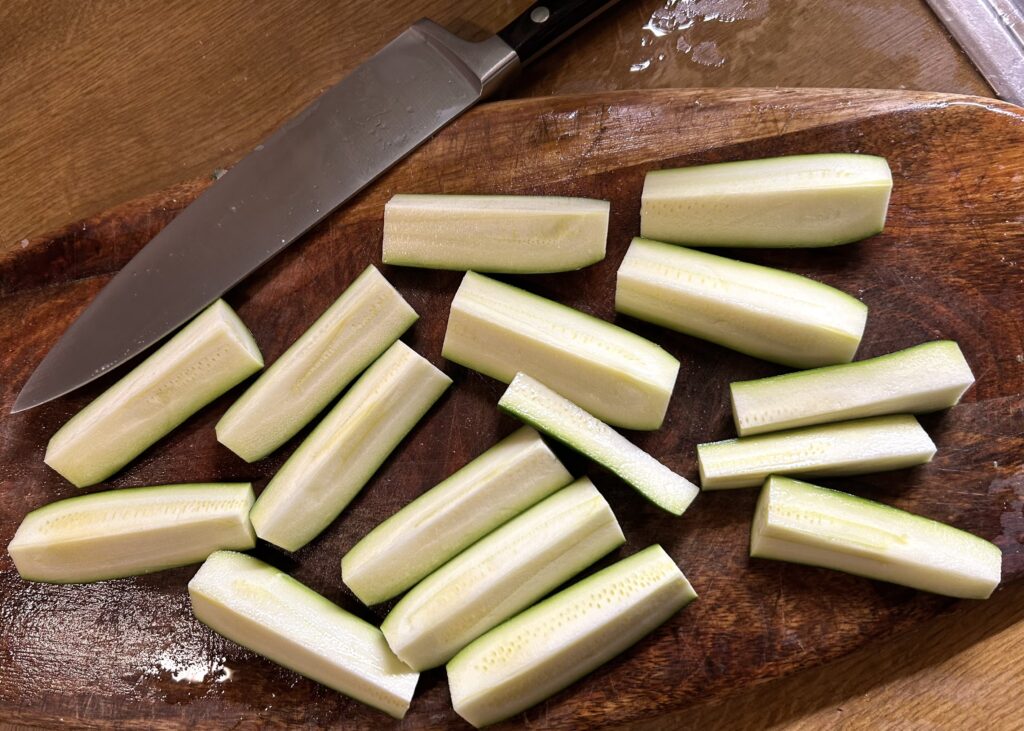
707, 53
671, 29
190, 669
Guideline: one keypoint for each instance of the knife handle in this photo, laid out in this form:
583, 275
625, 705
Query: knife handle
546, 23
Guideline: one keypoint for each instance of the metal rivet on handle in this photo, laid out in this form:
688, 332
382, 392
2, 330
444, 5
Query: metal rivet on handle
540, 14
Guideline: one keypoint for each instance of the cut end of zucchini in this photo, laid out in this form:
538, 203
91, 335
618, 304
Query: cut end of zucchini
856, 447
793, 201
235, 328
494, 233
764, 312
109, 535
534, 403
275, 616
551, 645
803, 523
499, 330
207, 357
502, 574
508, 478
361, 324
920, 379
341, 454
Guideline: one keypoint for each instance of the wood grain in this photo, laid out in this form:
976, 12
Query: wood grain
946, 266
951, 673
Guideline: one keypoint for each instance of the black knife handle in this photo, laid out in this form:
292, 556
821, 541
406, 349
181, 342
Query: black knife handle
546, 23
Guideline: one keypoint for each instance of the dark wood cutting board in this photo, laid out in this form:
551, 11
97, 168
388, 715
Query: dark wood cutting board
950, 264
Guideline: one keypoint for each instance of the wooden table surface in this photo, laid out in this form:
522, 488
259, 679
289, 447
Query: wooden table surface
106, 100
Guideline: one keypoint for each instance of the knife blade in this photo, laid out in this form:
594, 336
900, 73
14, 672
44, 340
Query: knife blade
351, 134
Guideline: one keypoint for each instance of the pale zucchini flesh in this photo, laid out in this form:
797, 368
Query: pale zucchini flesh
531, 401
803, 523
855, 447
341, 454
494, 233
920, 379
361, 324
118, 533
207, 357
618, 376
924, 378
257, 606
764, 312
502, 574
555, 643
508, 478
793, 201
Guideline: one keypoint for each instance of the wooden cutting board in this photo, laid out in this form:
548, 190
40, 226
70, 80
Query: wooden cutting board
950, 264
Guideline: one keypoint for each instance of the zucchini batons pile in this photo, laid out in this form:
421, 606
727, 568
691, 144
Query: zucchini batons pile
474, 560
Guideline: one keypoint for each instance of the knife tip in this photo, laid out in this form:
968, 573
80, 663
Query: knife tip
30, 395
23, 403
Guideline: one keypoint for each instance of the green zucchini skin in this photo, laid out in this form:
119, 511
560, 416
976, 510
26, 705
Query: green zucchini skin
556, 642
502, 574
210, 355
792, 201
267, 611
517, 234
361, 324
513, 475
924, 378
531, 401
347, 447
764, 312
803, 523
856, 447
618, 376
139, 530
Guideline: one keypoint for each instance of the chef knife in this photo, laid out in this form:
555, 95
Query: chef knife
316, 161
